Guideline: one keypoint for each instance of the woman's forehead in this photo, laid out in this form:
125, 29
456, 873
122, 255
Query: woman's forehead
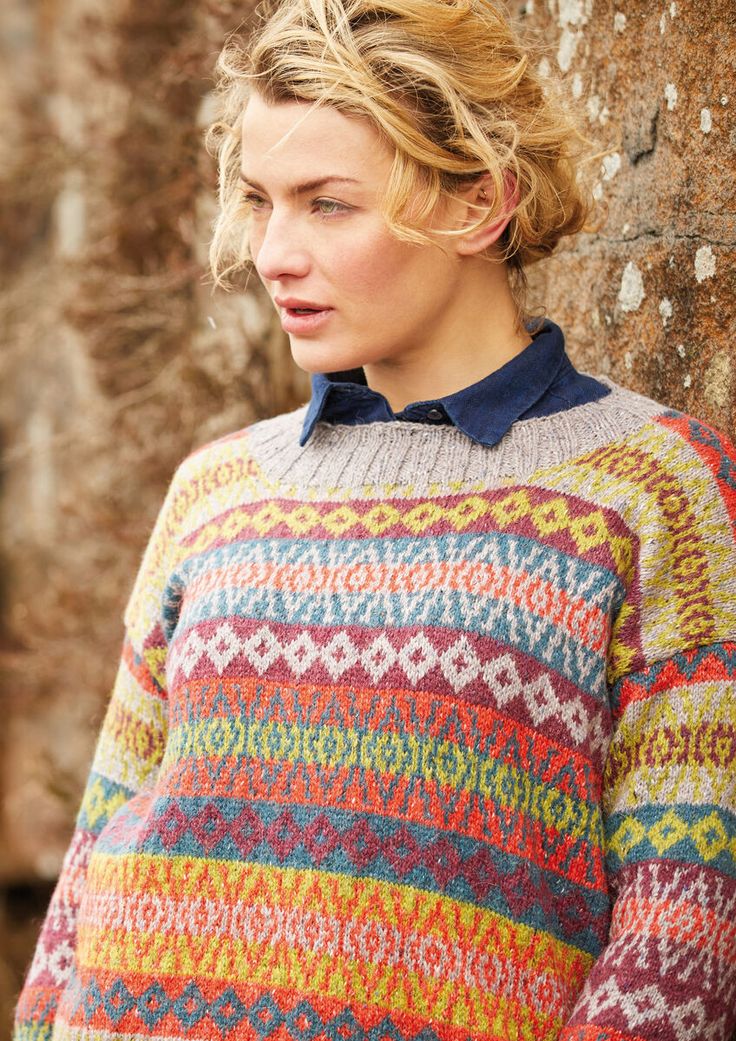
319, 140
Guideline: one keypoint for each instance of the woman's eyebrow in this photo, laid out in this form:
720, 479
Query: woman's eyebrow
305, 186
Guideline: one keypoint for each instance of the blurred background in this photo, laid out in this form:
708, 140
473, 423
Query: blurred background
117, 359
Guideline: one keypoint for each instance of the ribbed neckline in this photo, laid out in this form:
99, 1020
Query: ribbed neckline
421, 457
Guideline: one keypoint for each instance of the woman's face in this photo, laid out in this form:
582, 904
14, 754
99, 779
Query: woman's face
349, 293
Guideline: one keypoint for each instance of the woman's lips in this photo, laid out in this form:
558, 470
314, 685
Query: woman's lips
304, 320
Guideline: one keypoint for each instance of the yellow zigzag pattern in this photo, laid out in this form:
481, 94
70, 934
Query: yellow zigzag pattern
360, 899
63, 1032
621, 655
624, 490
155, 659
550, 518
673, 605
708, 835
327, 974
99, 804
131, 741
442, 762
674, 748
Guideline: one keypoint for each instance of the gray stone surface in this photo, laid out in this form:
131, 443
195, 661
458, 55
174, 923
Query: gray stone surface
650, 298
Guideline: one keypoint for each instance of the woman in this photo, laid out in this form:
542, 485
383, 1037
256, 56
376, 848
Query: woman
424, 721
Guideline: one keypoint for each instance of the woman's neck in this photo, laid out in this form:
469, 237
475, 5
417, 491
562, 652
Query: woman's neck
480, 333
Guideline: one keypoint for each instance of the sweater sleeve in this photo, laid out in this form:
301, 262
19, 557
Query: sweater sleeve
126, 761
668, 970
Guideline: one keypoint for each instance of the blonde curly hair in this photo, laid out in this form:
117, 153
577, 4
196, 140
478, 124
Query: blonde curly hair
448, 85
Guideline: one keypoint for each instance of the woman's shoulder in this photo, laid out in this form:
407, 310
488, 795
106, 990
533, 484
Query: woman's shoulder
640, 457
218, 472
238, 442
626, 417
660, 420
237, 447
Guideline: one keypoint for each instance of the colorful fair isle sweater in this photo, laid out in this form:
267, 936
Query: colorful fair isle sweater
414, 739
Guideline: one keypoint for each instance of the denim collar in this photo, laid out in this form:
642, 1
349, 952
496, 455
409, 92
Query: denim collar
484, 411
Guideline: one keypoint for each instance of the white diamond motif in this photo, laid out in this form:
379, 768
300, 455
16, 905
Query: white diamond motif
60, 961
339, 655
154, 910
689, 1020
603, 998
502, 677
417, 657
460, 664
191, 652
262, 648
301, 654
222, 647
378, 658
574, 716
646, 1004
541, 699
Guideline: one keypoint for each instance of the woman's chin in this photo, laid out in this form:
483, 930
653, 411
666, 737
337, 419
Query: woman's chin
316, 357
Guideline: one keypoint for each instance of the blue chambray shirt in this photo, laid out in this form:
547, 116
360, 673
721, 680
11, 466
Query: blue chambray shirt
538, 382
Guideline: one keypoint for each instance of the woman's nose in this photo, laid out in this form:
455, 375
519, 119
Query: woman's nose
276, 251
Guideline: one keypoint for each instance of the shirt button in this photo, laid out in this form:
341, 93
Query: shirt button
435, 415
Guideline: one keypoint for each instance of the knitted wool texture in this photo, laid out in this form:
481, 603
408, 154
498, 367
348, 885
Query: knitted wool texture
414, 738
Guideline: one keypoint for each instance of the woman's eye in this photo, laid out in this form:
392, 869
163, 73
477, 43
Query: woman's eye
325, 207
329, 206
253, 201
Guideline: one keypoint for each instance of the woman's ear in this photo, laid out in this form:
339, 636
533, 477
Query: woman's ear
478, 198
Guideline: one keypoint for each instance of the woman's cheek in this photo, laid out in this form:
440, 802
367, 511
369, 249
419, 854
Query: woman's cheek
254, 242
371, 267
